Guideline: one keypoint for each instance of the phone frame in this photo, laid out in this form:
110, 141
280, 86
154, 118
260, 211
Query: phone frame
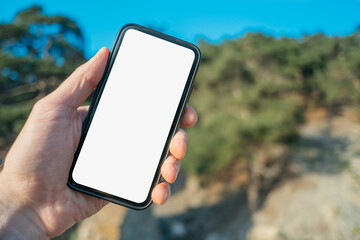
174, 127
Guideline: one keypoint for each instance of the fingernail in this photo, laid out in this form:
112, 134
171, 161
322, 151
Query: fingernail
184, 134
166, 197
177, 169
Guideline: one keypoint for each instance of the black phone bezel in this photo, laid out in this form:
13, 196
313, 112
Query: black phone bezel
174, 127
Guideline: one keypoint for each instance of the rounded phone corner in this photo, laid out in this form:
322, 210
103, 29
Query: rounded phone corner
71, 182
196, 51
142, 206
108, 197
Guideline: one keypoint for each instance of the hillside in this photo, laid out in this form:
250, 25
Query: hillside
278, 118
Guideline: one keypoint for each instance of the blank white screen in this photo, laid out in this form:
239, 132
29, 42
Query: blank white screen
128, 132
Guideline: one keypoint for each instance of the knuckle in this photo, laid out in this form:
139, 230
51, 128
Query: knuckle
88, 81
85, 76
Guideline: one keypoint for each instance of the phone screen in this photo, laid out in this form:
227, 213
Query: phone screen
133, 118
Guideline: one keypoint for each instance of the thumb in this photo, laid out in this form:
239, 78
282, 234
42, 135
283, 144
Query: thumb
78, 86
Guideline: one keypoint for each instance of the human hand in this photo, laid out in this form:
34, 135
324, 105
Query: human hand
35, 201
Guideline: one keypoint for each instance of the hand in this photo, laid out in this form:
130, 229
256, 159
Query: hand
35, 201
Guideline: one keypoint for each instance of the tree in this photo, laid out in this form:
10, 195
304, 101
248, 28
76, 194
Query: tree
37, 51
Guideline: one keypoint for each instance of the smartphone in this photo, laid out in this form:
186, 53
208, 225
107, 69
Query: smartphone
135, 111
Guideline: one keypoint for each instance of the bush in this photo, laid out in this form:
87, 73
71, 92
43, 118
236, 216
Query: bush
252, 92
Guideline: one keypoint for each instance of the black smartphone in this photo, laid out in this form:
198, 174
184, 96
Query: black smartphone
135, 112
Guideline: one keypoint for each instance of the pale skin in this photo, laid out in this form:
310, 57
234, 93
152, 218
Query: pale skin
35, 201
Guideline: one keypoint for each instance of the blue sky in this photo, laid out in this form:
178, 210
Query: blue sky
211, 20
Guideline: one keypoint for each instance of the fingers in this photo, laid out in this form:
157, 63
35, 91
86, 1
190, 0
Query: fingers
178, 144
171, 166
170, 169
161, 193
189, 118
76, 88
169, 172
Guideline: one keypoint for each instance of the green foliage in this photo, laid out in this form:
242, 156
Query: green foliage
251, 93
12, 119
35, 46
37, 51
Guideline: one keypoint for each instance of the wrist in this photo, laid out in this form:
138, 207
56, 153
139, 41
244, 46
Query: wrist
18, 221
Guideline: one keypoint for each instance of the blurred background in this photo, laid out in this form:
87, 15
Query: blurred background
276, 152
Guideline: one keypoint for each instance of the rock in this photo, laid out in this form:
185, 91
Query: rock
105, 225
264, 232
